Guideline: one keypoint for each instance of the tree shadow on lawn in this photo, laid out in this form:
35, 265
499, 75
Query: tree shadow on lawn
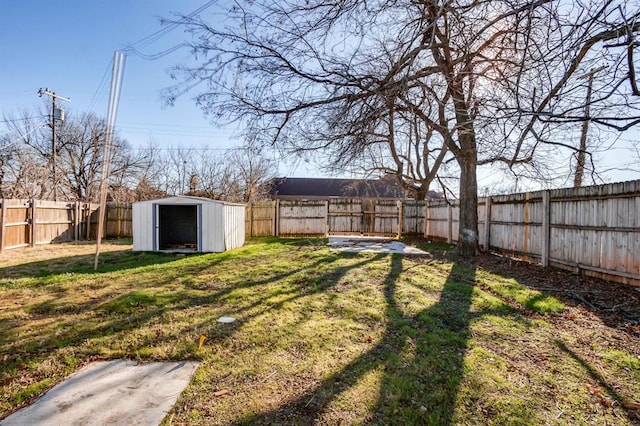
113, 261
617, 305
131, 310
421, 357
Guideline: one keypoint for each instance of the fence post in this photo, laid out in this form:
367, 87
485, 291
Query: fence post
276, 218
426, 220
487, 223
546, 227
88, 221
400, 204
326, 222
118, 220
76, 221
3, 219
251, 219
449, 224
32, 230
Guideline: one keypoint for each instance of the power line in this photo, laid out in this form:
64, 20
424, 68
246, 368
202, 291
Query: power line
101, 86
13, 120
188, 126
145, 41
19, 138
204, 149
169, 132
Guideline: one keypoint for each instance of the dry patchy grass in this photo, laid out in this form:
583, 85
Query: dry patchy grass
320, 337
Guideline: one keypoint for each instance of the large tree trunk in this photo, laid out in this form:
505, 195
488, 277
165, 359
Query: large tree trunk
468, 225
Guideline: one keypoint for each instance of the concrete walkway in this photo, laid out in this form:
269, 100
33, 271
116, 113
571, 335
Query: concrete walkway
372, 245
116, 392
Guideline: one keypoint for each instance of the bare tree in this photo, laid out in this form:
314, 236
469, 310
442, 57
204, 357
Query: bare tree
215, 177
394, 84
25, 175
79, 156
252, 170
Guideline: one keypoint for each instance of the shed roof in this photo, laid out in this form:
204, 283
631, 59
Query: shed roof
185, 199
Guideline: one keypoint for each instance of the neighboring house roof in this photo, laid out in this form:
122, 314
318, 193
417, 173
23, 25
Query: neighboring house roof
322, 188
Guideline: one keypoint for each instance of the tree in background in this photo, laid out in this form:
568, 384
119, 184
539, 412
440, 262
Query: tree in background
390, 85
78, 161
81, 155
237, 174
252, 171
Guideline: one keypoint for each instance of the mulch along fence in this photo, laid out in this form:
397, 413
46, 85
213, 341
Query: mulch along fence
591, 230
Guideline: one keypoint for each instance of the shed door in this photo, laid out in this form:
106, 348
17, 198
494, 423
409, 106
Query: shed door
178, 227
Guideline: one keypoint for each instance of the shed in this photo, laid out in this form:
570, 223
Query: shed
187, 224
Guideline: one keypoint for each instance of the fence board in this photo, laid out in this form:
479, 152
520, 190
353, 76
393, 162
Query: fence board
53, 221
591, 230
119, 220
413, 217
302, 218
259, 220
17, 230
345, 216
384, 215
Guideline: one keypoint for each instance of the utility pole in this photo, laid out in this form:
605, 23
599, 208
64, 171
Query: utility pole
582, 153
60, 113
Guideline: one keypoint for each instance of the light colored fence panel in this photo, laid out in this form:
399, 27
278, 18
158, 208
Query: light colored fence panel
119, 220
302, 218
345, 216
54, 222
592, 230
260, 219
596, 230
438, 220
385, 217
482, 215
516, 223
16, 229
413, 217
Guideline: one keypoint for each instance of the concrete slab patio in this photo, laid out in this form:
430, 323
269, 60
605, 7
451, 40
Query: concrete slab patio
357, 244
115, 392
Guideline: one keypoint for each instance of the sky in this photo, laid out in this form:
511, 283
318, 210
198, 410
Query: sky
67, 46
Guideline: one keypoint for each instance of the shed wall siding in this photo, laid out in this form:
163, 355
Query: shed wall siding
142, 214
234, 218
212, 228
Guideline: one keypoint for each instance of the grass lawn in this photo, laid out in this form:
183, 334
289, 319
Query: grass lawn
321, 337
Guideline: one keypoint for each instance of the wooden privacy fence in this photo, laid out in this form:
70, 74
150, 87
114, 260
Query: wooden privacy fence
30, 222
592, 230
340, 216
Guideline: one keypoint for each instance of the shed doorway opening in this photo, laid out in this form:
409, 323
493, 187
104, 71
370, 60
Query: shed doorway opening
178, 227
